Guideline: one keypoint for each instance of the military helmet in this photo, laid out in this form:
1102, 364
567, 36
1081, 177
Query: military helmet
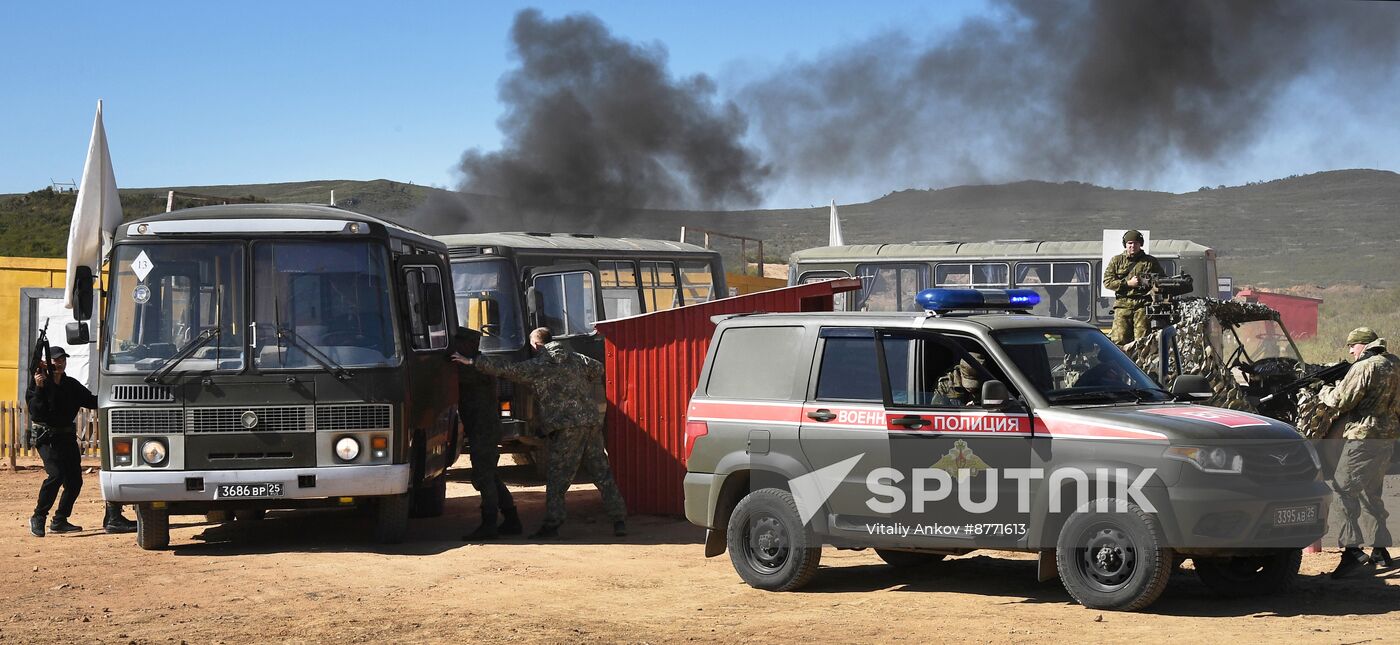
1131, 236
1362, 336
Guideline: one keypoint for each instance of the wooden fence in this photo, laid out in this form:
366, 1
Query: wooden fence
14, 433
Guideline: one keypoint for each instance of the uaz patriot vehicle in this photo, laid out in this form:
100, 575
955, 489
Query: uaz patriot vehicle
258, 357
509, 283
964, 427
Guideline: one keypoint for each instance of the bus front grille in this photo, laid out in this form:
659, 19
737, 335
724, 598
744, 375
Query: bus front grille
144, 421
287, 418
372, 416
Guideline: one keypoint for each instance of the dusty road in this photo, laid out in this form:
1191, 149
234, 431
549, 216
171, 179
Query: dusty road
318, 577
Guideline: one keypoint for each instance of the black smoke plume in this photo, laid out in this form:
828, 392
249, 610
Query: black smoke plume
596, 125
1115, 91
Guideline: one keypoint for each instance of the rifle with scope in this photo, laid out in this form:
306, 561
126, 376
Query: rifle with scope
1330, 374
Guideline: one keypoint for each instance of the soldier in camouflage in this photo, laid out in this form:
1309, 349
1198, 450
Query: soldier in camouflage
571, 416
1126, 274
1367, 401
481, 423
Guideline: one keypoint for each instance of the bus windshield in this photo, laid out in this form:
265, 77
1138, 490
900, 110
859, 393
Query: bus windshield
478, 282
331, 295
164, 297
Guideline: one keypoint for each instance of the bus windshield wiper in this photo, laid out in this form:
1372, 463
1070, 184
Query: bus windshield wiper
315, 353
199, 341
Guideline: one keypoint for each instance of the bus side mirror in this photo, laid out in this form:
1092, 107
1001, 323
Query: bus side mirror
994, 394
82, 293
534, 301
432, 303
77, 333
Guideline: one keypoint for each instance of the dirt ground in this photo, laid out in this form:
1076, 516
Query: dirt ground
318, 577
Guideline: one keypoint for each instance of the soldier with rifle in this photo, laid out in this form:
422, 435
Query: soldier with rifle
1127, 275
54, 398
1367, 402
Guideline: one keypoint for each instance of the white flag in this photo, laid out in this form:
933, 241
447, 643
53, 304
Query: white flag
98, 211
835, 233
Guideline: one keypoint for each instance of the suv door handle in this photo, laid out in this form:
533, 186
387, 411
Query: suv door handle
910, 421
822, 415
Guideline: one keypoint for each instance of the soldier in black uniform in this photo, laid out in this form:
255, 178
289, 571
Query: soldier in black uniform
481, 421
52, 408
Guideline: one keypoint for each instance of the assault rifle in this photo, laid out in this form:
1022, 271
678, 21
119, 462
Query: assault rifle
40, 355
1330, 374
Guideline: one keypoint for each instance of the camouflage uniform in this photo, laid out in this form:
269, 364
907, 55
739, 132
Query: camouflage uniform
1130, 309
963, 384
1367, 401
572, 417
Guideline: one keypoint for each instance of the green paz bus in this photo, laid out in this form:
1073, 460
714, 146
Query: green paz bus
1067, 275
507, 284
266, 356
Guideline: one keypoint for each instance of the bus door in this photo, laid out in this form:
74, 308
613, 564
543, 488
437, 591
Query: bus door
565, 299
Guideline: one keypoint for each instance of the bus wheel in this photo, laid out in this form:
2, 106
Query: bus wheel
429, 499
152, 527
391, 519
1113, 560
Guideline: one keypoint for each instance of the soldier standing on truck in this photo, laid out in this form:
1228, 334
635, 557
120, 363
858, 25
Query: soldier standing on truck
481, 422
1126, 274
572, 419
1367, 401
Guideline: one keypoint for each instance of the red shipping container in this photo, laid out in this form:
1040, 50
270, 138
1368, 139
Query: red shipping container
653, 364
1299, 313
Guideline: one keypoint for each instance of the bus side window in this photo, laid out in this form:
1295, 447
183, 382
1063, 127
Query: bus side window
659, 285
618, 281
567, 302
697, 282
427, 330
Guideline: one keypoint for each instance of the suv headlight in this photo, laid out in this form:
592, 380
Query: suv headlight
1213, 459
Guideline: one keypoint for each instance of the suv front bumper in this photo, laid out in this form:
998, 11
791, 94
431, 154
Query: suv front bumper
1211, 518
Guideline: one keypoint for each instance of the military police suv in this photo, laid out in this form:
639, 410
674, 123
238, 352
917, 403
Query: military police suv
973, 425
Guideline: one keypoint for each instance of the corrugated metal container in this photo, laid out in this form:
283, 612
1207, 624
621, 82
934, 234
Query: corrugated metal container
653, 363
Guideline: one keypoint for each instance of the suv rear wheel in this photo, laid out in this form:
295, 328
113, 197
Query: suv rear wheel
1252, 575
768, 545
1113, 560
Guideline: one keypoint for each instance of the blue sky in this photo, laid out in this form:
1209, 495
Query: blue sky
255, 92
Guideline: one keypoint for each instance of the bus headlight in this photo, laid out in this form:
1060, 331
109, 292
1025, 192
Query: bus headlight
153, 452
347, 448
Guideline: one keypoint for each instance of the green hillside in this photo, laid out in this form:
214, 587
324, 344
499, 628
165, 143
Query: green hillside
1326, 228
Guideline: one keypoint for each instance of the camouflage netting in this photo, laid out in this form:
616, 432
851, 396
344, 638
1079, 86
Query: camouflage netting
1191, 318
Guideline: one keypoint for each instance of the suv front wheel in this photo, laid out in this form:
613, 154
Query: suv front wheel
1115, 559
768, 544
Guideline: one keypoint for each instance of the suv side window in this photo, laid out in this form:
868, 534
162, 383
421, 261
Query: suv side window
932, 370
755, 363
850, 370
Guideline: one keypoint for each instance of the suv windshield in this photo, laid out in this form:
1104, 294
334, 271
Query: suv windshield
479, 281
333, 296
164, 297
1075, 366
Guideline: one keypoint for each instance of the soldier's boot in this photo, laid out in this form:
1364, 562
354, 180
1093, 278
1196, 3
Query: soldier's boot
1382, 557
36, 525
546, 532
62, 525
1353, 558
485, 531
620, 528
511, 524
115, 522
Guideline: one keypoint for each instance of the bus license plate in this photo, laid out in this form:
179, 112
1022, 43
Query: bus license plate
250, 491
1293, 515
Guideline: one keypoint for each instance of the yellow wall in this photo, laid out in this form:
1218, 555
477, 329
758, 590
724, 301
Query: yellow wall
16, 274
752, 283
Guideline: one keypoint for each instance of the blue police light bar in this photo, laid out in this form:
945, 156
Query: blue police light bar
940, 300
